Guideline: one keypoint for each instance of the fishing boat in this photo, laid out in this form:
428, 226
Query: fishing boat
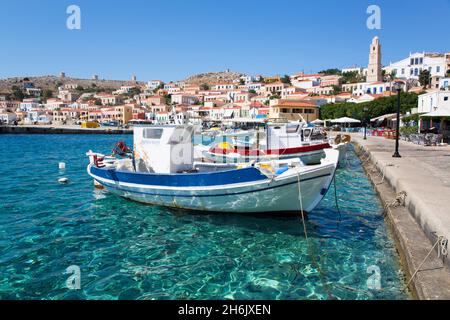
163, 172
340, 143
277, 141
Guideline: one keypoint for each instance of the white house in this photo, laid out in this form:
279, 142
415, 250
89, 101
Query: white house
358, 70
153, 84
224, 86
362, 88
305, 84
29, 104
45, 118
432, 101
53, 104
7, 117
410, 67
444, 83
184, 99
33, 116
162, 117
257, 86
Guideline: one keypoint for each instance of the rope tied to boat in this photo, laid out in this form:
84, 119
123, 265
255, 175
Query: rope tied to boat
441, 242
400, 200
382, 174
308, 243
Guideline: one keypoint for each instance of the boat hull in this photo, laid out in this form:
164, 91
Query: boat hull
309, 155
268, 195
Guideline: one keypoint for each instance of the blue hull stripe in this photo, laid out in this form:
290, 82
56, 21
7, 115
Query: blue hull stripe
214, 195
182, 180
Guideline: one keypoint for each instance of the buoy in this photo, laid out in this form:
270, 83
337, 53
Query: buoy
63, 180
62, 166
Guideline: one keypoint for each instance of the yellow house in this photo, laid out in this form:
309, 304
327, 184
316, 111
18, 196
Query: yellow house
272, 79
293, 110
124, 113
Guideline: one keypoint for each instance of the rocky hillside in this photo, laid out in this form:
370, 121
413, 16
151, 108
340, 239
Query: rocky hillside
52, 82
213, 77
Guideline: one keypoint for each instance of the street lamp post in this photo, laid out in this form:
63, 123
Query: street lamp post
398, 88
365, 123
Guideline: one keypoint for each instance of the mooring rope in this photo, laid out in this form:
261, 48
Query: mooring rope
425, 259
400, 200
308, 243
336, 198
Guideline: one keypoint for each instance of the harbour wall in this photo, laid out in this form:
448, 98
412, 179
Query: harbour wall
60, 130
410, 224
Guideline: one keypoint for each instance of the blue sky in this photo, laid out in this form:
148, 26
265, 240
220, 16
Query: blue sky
169, 40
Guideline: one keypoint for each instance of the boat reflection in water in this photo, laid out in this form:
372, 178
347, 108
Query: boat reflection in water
163, 171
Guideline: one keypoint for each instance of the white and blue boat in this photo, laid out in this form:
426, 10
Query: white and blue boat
163, 172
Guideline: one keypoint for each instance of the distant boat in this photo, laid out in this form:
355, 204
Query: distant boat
155, 175
110, 124
277, 141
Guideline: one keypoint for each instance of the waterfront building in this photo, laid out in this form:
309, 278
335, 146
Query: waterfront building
162, 117
7, 117
32, 116
10, 105
68, 115
433, 101
124, 113
293, 110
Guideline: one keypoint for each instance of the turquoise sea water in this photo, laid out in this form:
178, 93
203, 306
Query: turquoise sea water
126, 250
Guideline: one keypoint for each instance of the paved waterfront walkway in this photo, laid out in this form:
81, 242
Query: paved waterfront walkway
423, 173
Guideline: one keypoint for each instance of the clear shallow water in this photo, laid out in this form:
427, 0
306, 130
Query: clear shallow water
126, 250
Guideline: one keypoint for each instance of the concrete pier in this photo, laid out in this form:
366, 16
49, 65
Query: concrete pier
424, 174
61, 130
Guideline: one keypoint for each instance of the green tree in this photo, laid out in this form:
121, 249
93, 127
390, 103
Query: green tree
47, 93
352, 77
330, 72
375, 108
424, 78
286, 79
17, 93
336, 89
204, 86
168, 99
98, 102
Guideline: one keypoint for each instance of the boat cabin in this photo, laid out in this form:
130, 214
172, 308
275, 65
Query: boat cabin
164, 149
289, 135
